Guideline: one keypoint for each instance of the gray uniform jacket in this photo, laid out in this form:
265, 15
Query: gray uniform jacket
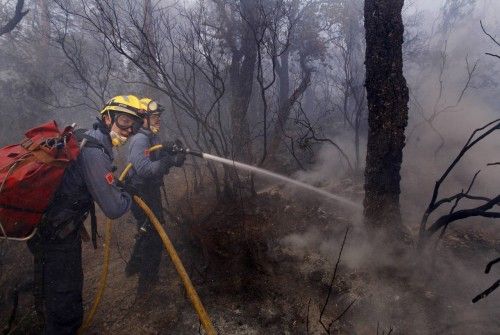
89, 178
147, 168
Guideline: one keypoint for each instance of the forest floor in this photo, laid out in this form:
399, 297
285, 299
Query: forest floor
264, 266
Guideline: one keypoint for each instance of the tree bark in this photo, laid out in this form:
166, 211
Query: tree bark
242, 70
387, 95
284, 77
286, 102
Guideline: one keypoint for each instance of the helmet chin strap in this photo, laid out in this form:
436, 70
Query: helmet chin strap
111, 117
148, 118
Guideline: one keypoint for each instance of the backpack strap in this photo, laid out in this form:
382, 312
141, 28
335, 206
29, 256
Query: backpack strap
93, 225
89, 141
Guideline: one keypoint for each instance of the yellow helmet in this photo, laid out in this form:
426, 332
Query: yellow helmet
151, 106
129, 104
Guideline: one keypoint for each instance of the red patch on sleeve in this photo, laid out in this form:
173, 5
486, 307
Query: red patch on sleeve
109, 178
146, 152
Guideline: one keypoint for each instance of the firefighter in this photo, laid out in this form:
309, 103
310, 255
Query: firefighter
57, 245
146, 176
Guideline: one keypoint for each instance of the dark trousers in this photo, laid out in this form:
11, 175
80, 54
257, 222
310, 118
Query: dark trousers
148, 248
58, 282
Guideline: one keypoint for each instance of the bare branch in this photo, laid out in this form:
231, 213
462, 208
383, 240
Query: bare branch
470, 73
461, 195
466, 213
307, 317
486, 292
493, 55
490, 264
330, 289
493, 287
437, 110
341, 314
311, 135
488, 34
481, 210
14, 21
492, 38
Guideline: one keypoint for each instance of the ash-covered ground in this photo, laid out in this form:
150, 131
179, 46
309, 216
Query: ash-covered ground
264, 265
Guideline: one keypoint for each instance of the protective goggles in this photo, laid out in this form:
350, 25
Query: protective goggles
126, 122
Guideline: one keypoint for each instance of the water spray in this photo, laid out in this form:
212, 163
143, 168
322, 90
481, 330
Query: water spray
254, 169
191, 292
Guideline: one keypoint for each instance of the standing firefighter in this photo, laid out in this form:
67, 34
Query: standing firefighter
146, 177
57, 244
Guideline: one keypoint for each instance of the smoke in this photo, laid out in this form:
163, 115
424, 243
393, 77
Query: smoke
395, 290
452, 94
330, 166
454, 90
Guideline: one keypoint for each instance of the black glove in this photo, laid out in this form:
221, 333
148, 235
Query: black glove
179, 159
173, 147
128, 187
167, 147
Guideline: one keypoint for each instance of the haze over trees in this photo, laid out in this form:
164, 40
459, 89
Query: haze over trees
373, 100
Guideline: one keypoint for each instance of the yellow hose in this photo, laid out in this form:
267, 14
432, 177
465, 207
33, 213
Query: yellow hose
102, 280
155, 147
125, 172
188, 285
105, 267
192, 294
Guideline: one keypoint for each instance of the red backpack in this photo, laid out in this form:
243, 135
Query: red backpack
30, 174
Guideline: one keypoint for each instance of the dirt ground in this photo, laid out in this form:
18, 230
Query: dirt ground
263, 265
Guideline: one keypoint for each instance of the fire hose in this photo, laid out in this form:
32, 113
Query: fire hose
167, 243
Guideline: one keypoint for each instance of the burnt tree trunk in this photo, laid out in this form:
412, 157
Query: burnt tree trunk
282, 70
282, 67
241, 80
286, 102
387, 95
242, 71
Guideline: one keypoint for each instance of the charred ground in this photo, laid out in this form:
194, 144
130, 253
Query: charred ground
263, 265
